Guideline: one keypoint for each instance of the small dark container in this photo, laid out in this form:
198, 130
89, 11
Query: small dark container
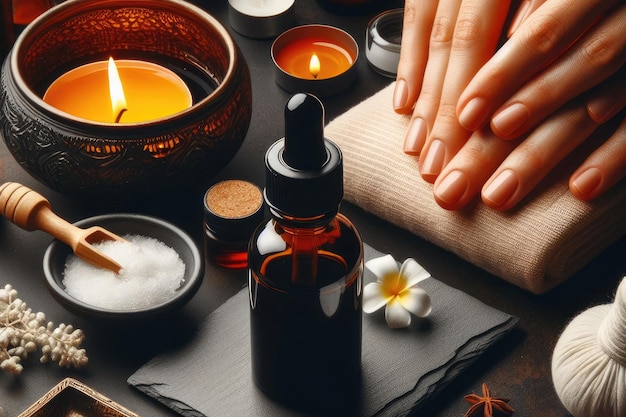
232, 211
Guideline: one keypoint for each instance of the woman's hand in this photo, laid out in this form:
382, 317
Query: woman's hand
560, 51
505, 171
553, 113
541, 91
449, 42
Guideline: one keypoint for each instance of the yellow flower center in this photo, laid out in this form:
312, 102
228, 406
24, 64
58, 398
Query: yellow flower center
393, 285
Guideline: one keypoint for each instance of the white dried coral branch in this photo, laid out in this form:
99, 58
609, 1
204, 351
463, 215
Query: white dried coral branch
23, 331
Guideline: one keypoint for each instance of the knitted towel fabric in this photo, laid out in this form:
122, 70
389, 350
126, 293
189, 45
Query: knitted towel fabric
535, 246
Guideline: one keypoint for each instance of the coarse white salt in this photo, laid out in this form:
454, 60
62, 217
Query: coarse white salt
150, 275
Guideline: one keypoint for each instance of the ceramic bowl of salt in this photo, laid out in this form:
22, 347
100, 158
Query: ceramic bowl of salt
162, 269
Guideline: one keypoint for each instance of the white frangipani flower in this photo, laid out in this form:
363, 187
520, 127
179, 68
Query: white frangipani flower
397, 290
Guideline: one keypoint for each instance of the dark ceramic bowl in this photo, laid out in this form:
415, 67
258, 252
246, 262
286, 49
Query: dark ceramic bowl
122, 224
80, 157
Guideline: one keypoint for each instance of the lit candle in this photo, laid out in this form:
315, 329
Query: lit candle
300, 58
315, 58
149, 91
315, 65
116, 92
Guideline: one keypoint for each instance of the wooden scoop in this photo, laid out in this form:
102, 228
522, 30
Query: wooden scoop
31, 211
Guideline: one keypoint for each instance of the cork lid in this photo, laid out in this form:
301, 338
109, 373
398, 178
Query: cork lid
233, 207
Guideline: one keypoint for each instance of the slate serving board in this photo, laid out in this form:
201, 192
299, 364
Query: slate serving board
401, 369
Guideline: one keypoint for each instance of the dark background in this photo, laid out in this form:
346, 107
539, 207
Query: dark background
517, 368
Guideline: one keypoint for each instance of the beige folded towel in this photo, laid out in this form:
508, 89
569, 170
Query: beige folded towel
536, 246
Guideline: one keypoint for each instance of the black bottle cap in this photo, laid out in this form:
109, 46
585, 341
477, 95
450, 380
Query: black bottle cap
304, 170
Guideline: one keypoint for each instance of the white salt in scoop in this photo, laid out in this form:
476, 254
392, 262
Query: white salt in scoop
150, 275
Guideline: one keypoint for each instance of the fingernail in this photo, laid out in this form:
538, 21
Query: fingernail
602, 108
415, 137
506, 122
587, 182
474, 114
433, 162
400, 94
501, 188
520, 16
452, 188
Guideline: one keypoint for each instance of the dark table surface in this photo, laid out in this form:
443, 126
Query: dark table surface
517, 368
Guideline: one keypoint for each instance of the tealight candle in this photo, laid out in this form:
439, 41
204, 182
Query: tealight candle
318, 59
145, 91
261, 18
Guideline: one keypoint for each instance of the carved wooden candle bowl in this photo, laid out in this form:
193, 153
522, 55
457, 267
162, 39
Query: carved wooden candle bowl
78, 156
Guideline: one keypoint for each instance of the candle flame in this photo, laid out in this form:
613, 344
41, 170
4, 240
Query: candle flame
118, 99
314, 65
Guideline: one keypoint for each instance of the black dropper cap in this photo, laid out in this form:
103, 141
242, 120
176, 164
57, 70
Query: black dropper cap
304, 170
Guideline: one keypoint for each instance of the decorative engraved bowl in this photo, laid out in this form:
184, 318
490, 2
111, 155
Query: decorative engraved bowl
81, 157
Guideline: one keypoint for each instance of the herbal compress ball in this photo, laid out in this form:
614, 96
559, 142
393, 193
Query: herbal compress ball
589, 361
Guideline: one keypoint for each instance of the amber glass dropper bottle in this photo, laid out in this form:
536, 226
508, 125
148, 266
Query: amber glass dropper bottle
306, 267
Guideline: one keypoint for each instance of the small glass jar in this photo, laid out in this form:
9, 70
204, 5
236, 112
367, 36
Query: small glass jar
232, 210
382, 43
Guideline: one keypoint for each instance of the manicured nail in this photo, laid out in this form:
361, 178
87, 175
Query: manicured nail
433, 162
474, 114
602, 108
452, 188
415, 137
520, 16
501, 188
506, 122
400, 95
588, 181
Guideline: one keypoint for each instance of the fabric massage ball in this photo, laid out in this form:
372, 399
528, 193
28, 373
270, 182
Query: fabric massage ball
589, 361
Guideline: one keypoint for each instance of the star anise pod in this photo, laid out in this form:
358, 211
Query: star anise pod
488, 403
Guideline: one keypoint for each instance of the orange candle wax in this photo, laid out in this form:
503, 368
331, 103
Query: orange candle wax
298, 58
151, 92
318, 59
